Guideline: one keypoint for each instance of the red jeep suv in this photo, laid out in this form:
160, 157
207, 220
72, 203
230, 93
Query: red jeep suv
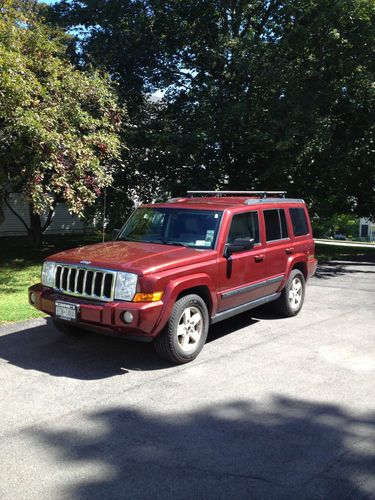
177, 267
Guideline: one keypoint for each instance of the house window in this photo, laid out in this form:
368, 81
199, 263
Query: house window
276, 226
299, 221
364, 230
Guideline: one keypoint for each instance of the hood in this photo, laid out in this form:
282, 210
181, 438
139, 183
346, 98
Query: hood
136, 257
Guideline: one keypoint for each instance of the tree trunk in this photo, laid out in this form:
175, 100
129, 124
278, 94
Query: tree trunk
35, 229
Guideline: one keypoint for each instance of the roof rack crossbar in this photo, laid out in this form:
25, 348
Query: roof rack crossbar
261, 194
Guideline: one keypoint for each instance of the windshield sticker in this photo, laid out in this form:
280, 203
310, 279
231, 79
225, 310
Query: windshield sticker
210, 235
201, 243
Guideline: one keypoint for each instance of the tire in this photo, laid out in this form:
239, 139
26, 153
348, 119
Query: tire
68, 329
292, 297
186, 332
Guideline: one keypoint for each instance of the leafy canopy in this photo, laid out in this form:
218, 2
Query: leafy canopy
258, 94
58, 125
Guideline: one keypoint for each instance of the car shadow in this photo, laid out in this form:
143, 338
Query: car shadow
94, 356
89, 357
230, 325
335, 268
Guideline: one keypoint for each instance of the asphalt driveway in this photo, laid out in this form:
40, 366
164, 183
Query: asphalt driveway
272, 408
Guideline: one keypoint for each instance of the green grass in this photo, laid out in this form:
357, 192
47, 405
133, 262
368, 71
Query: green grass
342, 252
20, 267
15, 278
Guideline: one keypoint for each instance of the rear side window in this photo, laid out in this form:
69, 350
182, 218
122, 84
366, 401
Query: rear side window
244, 226
299, 221
276, 226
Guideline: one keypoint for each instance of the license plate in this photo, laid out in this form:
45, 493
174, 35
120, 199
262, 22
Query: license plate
66, 311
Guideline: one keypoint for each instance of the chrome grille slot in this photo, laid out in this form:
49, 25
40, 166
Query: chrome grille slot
72, 279
58, 277
85, 282
64, 278
88, 287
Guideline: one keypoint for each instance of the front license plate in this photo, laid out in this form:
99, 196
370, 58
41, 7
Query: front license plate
66, 311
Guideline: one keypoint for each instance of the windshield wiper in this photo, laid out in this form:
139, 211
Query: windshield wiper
158, 242
175, 243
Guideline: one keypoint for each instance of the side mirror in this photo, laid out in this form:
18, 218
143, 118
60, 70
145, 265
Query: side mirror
238, 245
115, 233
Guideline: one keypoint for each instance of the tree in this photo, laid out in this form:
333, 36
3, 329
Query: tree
58, 125
260, 94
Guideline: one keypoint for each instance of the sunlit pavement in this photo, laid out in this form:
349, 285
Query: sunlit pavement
272, 408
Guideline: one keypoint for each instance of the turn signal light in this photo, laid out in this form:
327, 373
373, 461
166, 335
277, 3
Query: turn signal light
148, 297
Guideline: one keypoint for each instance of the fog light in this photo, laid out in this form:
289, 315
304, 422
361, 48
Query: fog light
32, 297
127, 317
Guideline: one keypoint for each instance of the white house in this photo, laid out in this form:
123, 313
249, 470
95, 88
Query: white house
366, 229
62, 222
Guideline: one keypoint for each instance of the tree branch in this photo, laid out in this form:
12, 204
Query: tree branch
16, 214
224, 12
267, 14
49, 217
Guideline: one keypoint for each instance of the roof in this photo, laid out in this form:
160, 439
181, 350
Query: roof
223, 202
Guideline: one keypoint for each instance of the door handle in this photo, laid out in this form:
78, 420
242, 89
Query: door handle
290, 250
259, 258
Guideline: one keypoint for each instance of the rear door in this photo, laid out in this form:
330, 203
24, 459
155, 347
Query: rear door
278, 247
303, 240
242, 274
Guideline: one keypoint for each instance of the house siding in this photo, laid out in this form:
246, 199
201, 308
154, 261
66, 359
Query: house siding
366, 226
62, 222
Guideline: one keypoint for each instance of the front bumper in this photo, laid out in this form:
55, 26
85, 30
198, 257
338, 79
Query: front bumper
104, 317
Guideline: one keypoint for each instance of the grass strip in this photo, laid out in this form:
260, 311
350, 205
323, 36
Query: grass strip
20, 267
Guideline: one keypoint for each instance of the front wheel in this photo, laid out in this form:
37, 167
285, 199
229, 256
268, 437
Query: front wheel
291, 299
185, 334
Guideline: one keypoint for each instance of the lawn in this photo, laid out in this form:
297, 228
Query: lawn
20, 267
342, 252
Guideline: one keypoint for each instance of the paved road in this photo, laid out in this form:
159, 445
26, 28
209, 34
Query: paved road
272, 408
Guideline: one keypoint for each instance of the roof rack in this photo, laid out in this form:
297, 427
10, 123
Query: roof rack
261, 194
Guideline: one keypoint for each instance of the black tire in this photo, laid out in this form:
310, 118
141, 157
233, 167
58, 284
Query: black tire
68, 329
284, 304
182, 348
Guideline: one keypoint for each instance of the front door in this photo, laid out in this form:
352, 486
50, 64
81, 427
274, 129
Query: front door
242, 274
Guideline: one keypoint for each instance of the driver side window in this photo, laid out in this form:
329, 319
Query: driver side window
244, 225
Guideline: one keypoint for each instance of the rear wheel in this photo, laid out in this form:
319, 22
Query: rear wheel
291, 300
68, 329
185, 334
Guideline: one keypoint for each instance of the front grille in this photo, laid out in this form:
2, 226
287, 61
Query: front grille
85, 282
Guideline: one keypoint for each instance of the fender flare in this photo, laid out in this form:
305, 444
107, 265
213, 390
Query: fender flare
292, 261
175, 287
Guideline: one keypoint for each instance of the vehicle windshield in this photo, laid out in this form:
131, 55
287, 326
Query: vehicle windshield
173, 226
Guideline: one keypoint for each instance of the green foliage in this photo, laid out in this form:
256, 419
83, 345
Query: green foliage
261, 94
345, 224
20, 267
58, 124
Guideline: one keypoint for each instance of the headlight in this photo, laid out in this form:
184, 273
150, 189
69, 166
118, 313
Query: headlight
48, 274
126, 285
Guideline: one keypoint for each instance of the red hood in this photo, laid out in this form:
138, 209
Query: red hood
140, 258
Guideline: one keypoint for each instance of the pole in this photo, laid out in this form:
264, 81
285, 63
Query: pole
104, 211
